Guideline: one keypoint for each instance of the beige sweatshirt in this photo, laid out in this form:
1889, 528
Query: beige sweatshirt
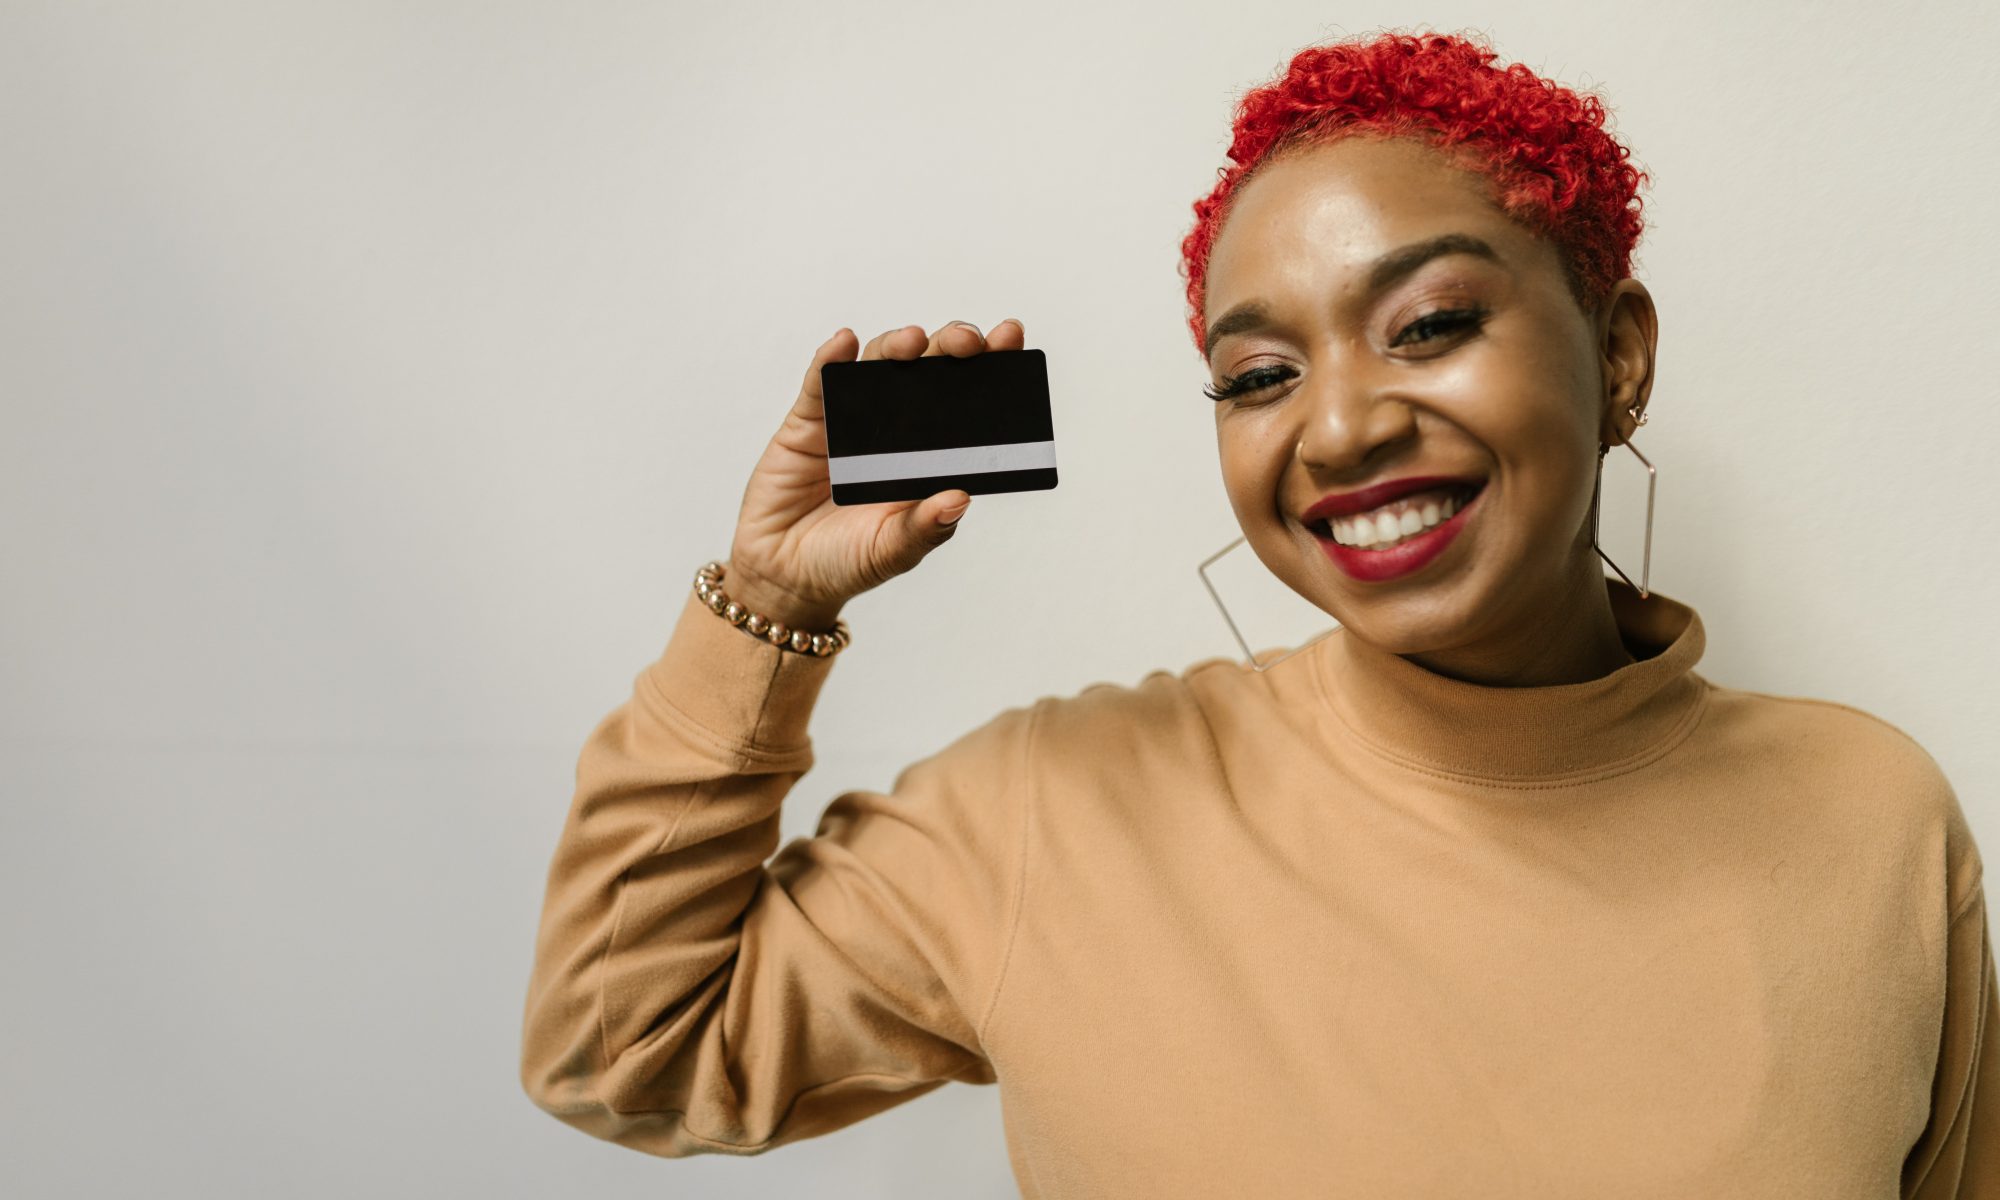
1345, 927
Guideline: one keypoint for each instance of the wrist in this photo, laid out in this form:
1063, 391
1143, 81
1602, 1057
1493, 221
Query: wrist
776, 603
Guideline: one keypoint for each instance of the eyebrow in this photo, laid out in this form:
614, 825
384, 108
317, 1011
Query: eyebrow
1397, 264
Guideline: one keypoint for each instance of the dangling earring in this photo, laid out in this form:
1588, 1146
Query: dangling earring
1652, 478
1249, 656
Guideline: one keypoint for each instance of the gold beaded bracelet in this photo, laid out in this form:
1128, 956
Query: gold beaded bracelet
707, 585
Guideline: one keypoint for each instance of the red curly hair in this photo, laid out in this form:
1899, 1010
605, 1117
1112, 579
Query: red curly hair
1552, 166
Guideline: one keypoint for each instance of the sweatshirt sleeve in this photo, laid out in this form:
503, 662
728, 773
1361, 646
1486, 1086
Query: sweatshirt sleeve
687, 997
1958, 1155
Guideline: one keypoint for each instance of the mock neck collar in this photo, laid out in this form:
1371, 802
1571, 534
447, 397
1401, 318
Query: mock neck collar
1560, 732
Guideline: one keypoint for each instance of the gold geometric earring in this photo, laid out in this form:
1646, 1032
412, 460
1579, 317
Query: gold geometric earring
1652, 478
1249, 656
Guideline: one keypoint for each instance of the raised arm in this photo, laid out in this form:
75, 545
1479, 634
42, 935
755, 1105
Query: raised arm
686, 997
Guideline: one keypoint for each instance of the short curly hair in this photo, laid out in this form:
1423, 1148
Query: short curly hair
1552, 165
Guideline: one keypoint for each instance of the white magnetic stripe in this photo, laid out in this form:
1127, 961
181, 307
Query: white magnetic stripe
958, 460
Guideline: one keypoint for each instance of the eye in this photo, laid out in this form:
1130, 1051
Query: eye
1428, 327
1442, 321
1249, 381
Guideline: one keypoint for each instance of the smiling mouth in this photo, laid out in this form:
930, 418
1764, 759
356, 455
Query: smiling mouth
1406, 517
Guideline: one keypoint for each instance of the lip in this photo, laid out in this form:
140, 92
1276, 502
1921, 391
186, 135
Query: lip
1344, 504
1405, 557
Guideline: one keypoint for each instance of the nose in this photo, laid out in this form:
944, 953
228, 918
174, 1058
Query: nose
1351, 421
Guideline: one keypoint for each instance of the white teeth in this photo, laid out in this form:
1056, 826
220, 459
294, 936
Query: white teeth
1395, 521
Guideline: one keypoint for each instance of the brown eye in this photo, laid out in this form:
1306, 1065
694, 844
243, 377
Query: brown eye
1448, 320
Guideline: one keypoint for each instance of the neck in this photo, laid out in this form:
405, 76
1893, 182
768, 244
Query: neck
1570, 636
1566, 705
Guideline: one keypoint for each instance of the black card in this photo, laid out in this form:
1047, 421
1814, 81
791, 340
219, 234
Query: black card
904, 429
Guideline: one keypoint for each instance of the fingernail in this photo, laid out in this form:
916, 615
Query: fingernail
968, 325
951, 516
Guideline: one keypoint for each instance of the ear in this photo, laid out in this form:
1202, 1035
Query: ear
1628, 335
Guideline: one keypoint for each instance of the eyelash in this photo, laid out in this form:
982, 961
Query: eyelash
1443, 320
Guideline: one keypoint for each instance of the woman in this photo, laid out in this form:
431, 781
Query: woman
1487, 893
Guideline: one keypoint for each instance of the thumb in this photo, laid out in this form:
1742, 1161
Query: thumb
936, 518
952, 506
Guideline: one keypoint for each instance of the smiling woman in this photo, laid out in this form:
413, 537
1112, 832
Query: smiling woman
1488, 893
1427, 342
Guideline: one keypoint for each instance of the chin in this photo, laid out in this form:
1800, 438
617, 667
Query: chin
1415, 619
1408, 625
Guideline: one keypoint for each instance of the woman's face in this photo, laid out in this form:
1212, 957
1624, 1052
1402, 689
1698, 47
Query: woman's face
1369, 366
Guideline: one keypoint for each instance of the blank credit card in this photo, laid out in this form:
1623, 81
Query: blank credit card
904, 429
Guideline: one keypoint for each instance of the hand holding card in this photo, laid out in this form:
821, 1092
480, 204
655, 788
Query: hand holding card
815, 531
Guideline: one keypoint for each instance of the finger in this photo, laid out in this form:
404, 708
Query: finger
811, 404
927, 521
952, 507
905, 341
1007, 335
960, 339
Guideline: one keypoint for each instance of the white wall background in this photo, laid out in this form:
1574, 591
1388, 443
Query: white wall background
375, 376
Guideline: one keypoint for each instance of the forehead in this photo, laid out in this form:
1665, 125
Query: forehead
1316, 218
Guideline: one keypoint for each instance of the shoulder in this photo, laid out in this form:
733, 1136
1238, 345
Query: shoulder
1827, 735
1100, 726
1104, 713
1834, 750
1179, 710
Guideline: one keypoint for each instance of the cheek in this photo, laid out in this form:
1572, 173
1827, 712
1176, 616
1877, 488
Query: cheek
1252, 471
1548, 461
1528, 409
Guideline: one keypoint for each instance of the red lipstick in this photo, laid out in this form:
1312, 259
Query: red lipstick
1404, 557
1342, 504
